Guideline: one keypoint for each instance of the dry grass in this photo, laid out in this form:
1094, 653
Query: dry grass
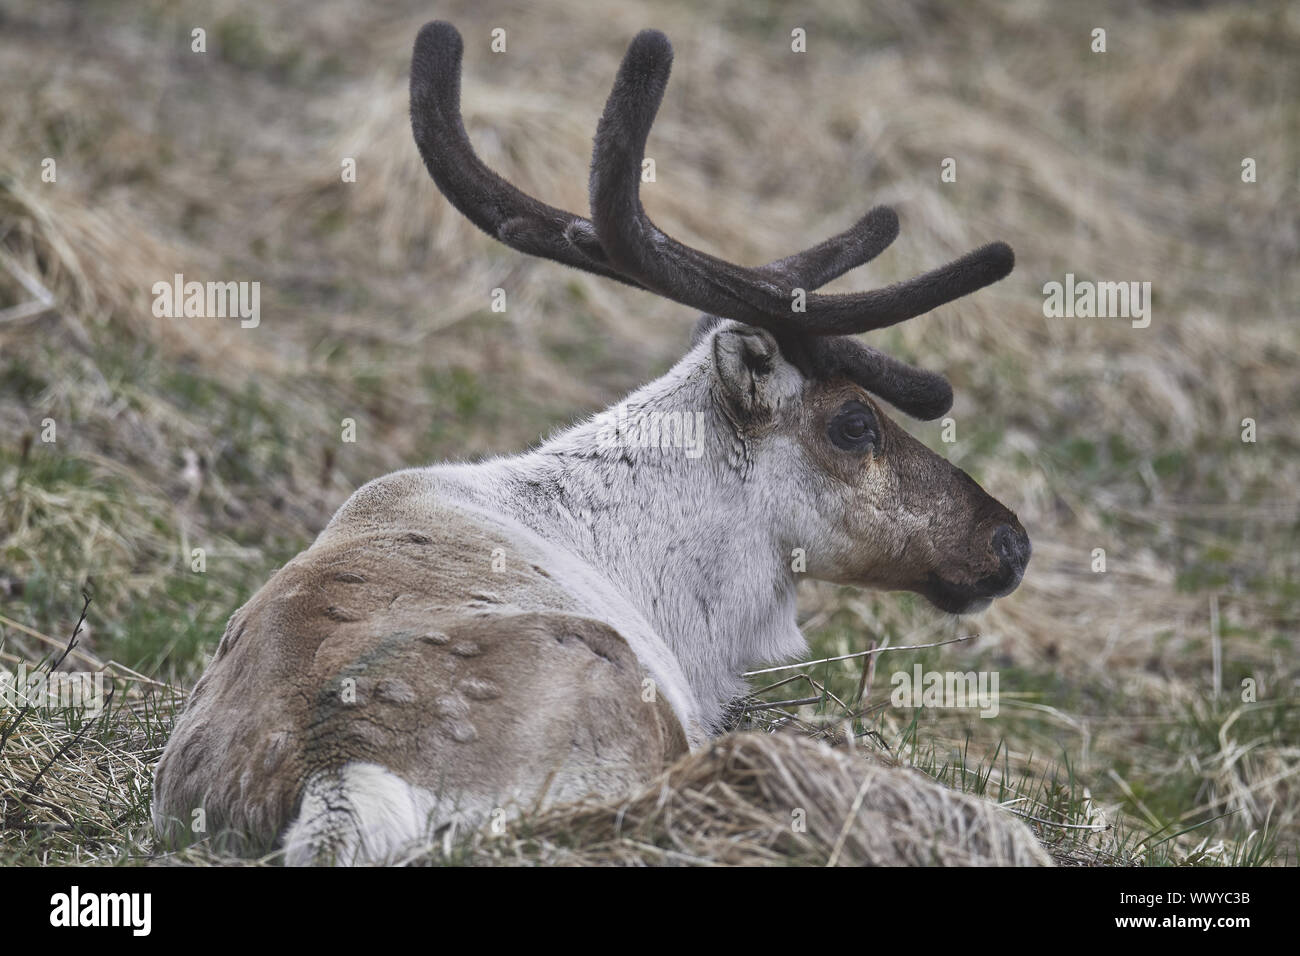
176, 434
751, 799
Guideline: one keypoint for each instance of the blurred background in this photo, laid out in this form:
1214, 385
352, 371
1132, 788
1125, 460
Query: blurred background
1122, 696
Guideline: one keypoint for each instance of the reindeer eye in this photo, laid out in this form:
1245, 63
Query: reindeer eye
853, 428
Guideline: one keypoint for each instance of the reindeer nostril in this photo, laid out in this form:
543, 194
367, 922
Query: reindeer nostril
1011, 547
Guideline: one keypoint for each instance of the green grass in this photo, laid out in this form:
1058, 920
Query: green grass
971, 755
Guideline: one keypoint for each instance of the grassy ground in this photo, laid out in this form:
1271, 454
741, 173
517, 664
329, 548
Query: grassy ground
1122, 726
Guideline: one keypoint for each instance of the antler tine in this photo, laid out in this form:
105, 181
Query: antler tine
922, 394
914, 391
831, 258
490, 202
636, 246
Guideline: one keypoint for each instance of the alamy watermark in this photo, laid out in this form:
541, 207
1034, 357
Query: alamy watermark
969, 690
208, 300
58, 690
1085, 299
620, 428
133, 911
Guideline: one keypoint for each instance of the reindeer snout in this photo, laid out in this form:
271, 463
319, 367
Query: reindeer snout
1011, 545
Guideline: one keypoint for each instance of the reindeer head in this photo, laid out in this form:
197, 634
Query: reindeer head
874, 506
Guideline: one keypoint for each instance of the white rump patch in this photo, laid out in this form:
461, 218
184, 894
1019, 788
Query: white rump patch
362, 814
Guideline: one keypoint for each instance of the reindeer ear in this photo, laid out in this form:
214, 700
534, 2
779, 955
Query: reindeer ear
703, 326
755, 378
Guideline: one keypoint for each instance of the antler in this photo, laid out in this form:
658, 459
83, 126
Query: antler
638, 248
512, 216
623, 244
487, 200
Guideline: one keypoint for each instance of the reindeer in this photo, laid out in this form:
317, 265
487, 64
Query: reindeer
567, 622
